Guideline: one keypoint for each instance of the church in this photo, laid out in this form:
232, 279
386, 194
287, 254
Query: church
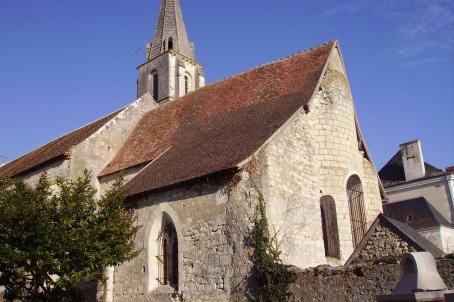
196, 159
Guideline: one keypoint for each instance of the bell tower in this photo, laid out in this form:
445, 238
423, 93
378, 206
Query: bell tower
170, 70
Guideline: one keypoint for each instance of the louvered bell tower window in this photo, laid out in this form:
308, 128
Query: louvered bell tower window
155, 86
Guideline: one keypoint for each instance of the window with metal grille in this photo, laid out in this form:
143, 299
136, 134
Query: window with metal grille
155, 86
329, 225
168, 257
357, 213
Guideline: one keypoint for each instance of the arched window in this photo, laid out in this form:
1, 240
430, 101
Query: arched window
155, 85
329, 225
187, 84
356, 204
168, 256
170, 44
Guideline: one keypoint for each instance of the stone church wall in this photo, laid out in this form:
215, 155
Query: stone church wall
55, 169
213, 217
99, 149
314, 155
339, 156
198, 211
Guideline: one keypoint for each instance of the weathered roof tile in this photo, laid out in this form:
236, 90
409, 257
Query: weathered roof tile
219, 126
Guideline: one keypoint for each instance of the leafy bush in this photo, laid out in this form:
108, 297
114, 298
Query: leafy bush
50, 242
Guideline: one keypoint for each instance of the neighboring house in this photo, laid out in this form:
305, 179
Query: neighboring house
197, 161
420, 195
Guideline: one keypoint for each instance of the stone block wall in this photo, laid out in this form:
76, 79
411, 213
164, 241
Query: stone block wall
357, 283
212, 219
339, 153
198, 213
55, 169
100, 148
313, 155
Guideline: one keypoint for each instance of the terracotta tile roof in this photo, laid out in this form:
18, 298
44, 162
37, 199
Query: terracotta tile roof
393, 172
221, 125
53, 150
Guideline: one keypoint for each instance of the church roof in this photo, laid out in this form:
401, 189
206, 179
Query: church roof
393, 172
56, 149
219, 126
171, 25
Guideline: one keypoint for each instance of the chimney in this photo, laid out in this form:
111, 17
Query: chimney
413, 160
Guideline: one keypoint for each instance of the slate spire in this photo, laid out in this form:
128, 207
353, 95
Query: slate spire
171, 31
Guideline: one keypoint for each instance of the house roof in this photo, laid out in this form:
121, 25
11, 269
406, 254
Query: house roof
221, 125
424, 215
405, 232
54, 150
412, 236
393, 172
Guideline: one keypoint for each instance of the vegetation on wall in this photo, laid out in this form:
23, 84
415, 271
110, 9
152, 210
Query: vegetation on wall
273, 279
51, 240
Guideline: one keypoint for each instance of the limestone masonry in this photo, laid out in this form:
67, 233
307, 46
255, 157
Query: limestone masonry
196, 159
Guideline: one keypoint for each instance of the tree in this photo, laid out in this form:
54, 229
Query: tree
50, 241
273, 278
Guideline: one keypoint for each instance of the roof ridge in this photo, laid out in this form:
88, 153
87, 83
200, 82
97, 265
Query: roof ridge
414, 236
437, 215
280, 60
217, 82
270, 63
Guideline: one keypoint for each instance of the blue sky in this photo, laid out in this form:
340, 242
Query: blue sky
65, 63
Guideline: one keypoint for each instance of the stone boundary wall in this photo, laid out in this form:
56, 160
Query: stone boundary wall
357, 283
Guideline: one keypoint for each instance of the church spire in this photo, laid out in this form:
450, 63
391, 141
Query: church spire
171, 32
170, 70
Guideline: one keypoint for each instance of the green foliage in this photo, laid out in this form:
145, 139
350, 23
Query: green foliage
272, 277
49, 242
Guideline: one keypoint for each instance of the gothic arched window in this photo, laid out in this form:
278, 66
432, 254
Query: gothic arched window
170, 44
357, 213
329, 225
155, 85
168, 257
